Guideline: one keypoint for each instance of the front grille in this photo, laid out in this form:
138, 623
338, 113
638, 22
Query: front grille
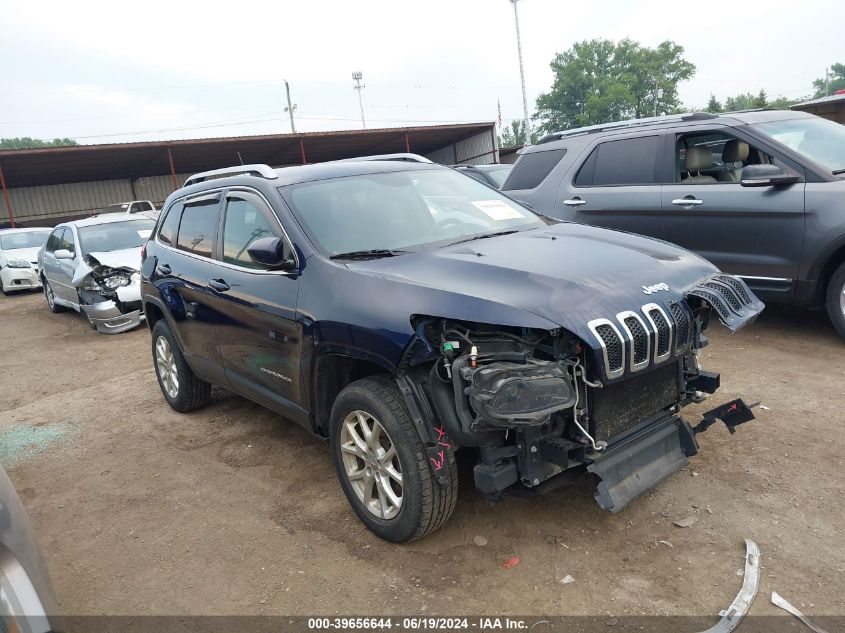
613, 347
618, 407
639, 340
664, 332
682, 324
728, 295
738, 287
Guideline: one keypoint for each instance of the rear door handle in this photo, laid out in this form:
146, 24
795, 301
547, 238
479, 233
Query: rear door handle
219, 285
163, 269
689, 201
575, 202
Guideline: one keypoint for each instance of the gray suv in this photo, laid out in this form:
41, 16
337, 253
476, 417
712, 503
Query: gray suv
760, 194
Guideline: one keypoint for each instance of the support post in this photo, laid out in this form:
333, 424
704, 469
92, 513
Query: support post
6, 198
172, 169
407, 142
302, 151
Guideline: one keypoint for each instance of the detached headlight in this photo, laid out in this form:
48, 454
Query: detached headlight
113, 282
17, 263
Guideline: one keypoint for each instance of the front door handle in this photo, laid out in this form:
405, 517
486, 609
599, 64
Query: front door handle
163, 269
219, 285
687, 201
575, 202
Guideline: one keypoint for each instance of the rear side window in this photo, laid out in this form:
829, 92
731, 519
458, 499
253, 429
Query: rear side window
631, 161
198, 227
531, 169
171, 223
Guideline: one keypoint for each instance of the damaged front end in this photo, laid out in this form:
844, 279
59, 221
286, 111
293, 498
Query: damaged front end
110, 296
607, 396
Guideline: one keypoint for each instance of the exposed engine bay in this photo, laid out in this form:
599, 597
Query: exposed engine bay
110, 295
534, 403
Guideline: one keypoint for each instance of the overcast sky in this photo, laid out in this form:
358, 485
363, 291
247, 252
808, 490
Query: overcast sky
130, 71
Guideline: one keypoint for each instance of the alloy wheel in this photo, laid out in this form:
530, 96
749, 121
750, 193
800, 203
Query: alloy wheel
372, 465
48, 292
842, 300
166, 367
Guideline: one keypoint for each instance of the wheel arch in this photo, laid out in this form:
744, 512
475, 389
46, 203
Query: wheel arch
832, 262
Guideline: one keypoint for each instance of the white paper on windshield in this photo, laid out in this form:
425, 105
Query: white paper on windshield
498, 209
144, 233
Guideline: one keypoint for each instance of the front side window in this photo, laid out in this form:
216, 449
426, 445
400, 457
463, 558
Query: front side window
402, 210
170, 225
531, 169
244, 224
818, 139
54, 242
68, 243
114, 236
630, 161
198, 227
26, 239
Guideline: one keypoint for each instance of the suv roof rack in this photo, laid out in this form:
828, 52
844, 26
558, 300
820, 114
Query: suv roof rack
402, 156
632, 123
262, 171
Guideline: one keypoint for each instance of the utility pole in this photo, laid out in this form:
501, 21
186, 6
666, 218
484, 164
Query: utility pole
290, 108
827, 82
522, 75
357, 76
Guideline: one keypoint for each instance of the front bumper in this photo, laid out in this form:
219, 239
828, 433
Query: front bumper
19, 279
108, 319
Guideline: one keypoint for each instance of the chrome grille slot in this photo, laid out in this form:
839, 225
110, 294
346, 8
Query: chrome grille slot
612, 344
682, 326
662, 327
638, 339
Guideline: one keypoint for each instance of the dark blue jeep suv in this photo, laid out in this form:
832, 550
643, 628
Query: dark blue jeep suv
405, 311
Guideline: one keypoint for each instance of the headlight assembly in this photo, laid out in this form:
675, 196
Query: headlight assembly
112, 282
17, 263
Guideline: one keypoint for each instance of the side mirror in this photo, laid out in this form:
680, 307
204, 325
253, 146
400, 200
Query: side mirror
63, 253
765, 176
270, 252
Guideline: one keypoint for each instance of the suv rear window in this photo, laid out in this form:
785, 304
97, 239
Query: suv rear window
630, 161
198, 227
531, 169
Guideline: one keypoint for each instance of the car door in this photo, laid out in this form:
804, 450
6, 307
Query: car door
257, 330
48, 258
615, 184
63, 268
182, 270
755, 233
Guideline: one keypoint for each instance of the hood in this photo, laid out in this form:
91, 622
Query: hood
29, 254
567, 273
123, 258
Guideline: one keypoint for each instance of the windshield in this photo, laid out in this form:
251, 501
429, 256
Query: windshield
818, 139
400, 211
28, 239
114, 235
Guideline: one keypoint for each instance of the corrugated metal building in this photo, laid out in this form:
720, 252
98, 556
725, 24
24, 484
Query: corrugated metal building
44, 186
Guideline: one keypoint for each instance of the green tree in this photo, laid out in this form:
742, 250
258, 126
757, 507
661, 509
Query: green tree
713, 105
597, 81
834, 81
514, 135
25, 142
744, 101
761, 100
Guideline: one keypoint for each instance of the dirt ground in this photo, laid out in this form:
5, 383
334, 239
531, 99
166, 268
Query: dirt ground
232, 510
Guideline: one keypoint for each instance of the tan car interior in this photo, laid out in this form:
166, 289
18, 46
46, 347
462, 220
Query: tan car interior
698, 162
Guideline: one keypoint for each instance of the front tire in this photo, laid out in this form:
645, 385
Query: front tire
836, 300
382, 464
180, 386
54, 307
3, 288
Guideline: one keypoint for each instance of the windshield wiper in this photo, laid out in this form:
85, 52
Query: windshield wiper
374, 253
836, 172
484, 236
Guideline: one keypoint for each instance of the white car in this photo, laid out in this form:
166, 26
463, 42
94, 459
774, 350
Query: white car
140, 207
92, 266
18, 258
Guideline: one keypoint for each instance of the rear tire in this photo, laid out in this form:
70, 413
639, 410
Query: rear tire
365, 464
180, 386
836, 300
54, 307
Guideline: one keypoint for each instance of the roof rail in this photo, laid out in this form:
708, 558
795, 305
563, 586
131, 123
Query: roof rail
632, 123
402, 156
263, 171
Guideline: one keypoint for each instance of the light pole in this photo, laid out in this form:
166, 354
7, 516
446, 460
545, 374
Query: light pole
522, 75
357, 76
290, 108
